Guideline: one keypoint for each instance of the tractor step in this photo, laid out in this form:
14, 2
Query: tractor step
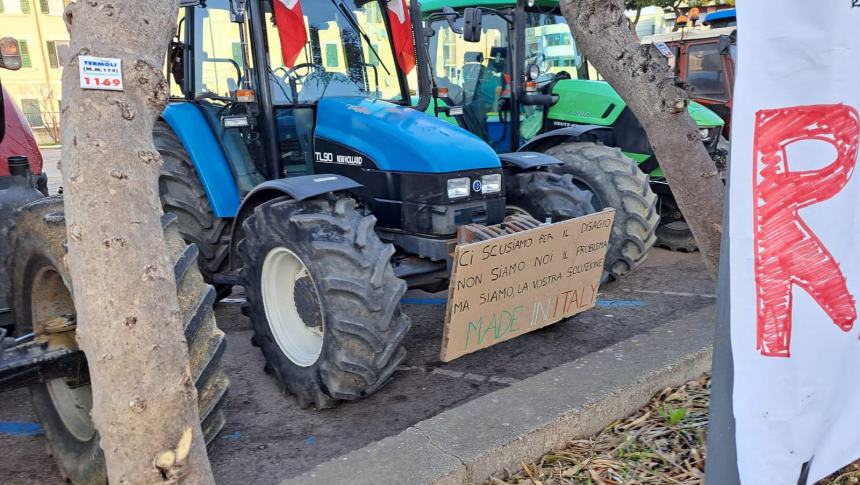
26, 362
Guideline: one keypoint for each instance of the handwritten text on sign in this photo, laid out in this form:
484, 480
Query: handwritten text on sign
511, 285
100, 73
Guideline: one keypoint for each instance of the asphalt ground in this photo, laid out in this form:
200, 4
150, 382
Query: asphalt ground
268, 437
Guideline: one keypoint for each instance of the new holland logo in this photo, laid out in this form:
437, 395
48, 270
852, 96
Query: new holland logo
476, 186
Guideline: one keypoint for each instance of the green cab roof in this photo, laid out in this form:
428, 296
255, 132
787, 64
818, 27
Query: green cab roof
434, 5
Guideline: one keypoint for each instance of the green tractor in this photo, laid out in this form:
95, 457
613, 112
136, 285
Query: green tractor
509, 71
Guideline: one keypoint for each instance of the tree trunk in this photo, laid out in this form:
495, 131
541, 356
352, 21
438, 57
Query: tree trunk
642, 77
144, 399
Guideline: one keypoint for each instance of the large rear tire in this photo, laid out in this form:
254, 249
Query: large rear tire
616, 181
42, 291
183, 194
322, 298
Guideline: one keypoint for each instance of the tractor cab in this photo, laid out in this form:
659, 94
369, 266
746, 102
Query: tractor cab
333, 99
536, 91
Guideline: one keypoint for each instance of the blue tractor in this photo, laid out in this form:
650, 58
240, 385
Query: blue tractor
320, 190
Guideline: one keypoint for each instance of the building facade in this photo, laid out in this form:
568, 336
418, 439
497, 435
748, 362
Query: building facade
38, 27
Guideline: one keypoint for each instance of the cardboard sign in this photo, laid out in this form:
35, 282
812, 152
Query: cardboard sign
507, 286
100, 73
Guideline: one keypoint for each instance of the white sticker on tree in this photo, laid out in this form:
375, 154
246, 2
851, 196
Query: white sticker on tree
100, 73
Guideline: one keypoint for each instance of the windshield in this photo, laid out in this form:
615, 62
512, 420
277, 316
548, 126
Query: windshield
477, 75
705, 73
348, 53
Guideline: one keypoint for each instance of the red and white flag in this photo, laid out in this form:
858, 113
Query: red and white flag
291, 29
401, 32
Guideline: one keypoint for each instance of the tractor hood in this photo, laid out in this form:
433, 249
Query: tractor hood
597, 103
400, 139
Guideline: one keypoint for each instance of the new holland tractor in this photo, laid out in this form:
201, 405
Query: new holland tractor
509, 72
305, 176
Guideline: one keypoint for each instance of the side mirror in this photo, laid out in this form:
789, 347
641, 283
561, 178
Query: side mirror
10, 54
451, 17
725, 43
238, 8
176, 62
472, 24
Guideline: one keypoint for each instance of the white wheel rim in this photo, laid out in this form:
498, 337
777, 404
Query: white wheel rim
50, 298
73, 407
301, 343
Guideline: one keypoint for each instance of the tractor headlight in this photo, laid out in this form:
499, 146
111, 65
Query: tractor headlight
458, 187
706, 134
491, 184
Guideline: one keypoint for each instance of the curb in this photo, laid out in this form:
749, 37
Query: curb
520, 423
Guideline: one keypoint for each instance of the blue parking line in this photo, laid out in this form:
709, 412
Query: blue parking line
424, 301
600, 303
12, 428
620, 303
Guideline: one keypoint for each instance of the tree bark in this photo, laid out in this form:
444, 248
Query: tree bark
642, 77
144, 399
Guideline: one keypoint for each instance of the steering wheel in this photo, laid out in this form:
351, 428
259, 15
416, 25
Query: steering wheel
290, 74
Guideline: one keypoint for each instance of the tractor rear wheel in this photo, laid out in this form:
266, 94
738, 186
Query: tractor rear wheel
42, 293
616, 182
322, 298
183, 194
542, 194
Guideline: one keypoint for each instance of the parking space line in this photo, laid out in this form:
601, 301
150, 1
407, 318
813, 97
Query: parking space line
444, 301
671, 293
12, 428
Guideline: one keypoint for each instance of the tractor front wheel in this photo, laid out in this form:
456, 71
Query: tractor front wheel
674, 233
546, 194
322, 298
616, 182
42, 294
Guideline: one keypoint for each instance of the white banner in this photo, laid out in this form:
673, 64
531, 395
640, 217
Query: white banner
795, 239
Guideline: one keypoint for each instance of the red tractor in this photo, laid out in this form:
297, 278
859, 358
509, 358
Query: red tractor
16, 137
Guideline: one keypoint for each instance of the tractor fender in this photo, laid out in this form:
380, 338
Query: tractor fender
528, 160
568, 134
298, 188
206, 154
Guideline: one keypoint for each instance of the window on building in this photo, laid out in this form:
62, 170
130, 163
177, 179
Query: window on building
558, 39
331, 55
58, 53
25, 53
236, 53
52, 7
15, 7
32, 112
